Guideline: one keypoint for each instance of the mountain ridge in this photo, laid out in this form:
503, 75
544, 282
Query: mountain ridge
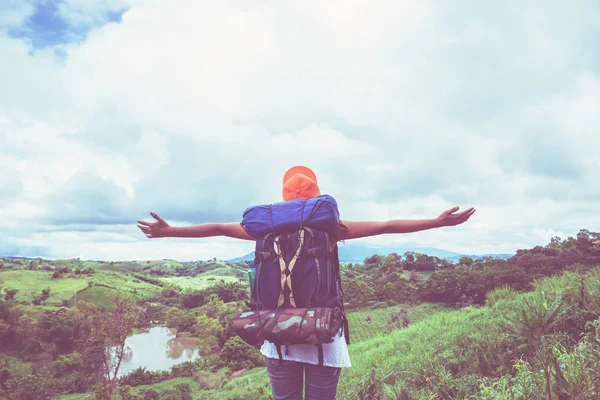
352, 253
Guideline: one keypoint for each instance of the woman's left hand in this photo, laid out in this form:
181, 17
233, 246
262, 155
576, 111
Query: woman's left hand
156, 229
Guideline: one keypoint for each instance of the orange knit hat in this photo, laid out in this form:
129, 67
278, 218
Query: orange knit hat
300, 182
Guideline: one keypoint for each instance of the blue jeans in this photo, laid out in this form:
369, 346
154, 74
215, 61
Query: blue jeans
287, 380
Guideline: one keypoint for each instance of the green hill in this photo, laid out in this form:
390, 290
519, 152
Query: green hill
199, 282
31, 283
468, 353
125, 276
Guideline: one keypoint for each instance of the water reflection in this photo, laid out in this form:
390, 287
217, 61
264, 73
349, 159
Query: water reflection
157, 349
181, 346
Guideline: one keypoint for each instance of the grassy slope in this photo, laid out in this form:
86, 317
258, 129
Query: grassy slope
30, 284
361, 330
221, 271
398, 357
97, 295
198, 282
159, 387
443, 353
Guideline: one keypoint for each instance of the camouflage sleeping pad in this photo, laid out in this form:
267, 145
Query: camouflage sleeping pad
289, 326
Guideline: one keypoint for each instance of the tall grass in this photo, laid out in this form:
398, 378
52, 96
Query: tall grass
367, 323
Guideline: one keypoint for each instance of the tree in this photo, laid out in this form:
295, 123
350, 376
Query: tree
466, 261
9, 294
357, 292
209, 330
169, 290
118, 325
391, 261
45, 294
182, 320
237, 354
213, 307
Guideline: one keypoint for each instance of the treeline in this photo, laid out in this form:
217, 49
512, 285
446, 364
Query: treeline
417, 278
156, 268
471, 280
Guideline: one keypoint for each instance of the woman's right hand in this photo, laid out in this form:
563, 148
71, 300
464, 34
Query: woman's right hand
449, 218
156, 229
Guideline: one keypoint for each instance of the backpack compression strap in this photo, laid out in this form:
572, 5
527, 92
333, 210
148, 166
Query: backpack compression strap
286, 270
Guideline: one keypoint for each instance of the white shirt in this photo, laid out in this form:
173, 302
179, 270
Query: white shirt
335, 354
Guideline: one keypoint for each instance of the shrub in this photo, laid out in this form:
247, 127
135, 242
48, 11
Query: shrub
125, 393
141, 376
184, 370
237, 354
183, 388
502, 293
10, 294
151, 395
212, 380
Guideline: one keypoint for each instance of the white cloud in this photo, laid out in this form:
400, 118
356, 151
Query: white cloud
83, 12
14, 12
402, 109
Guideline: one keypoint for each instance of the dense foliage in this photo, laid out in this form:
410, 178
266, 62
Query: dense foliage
70, 337
480, 329
417, 277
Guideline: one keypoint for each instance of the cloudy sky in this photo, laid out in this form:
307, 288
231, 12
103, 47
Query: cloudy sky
192, 109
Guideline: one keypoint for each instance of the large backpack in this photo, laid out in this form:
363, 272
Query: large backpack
296, 296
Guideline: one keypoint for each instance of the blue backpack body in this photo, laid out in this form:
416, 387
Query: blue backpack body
298, 269
296, 255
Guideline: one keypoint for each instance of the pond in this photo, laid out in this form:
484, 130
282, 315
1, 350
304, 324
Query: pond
157, 349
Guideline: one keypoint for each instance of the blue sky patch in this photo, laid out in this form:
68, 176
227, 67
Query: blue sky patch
47, 27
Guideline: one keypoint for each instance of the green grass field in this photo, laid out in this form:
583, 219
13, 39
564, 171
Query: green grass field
361, 330
31, 283
98, 295
198, 282
161, 387
222, 271
252, 385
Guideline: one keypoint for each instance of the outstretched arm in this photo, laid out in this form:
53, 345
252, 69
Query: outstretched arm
358, 229
160, 229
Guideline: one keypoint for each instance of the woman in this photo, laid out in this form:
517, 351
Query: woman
287, 377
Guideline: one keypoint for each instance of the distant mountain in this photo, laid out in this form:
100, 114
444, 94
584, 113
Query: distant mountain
502, 256
353, 253
358, 253
247, 257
